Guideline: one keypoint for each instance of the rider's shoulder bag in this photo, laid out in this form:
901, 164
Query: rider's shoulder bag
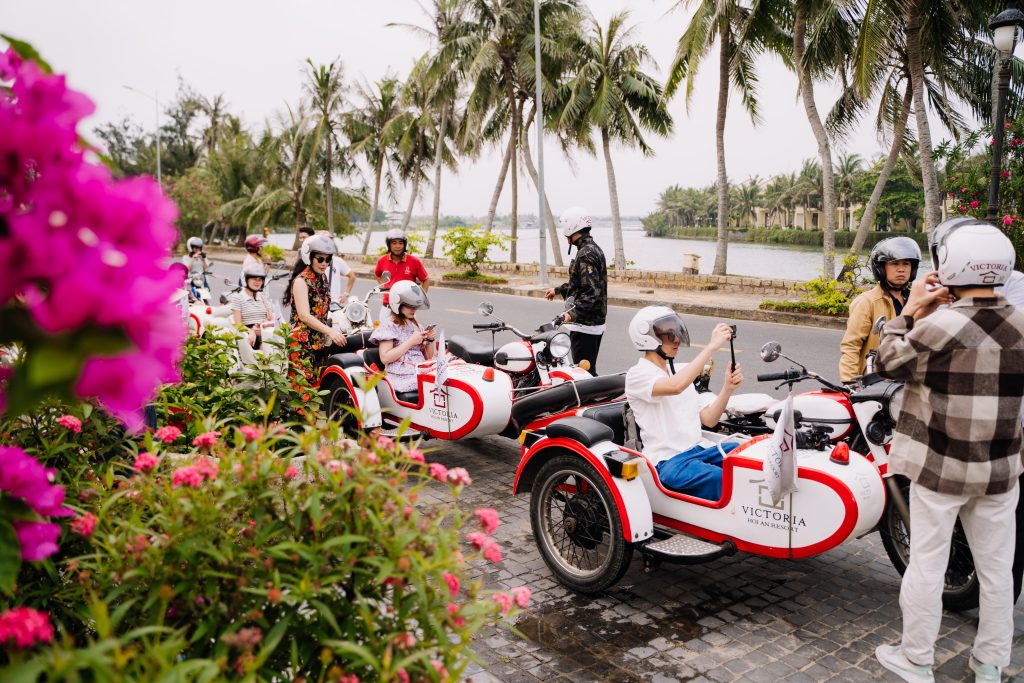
632, 440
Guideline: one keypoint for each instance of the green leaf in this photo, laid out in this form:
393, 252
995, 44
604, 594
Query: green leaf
49, 366
10, 557
26, 51
26, 672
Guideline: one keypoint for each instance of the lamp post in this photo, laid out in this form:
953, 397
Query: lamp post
541, 215
156, 108
1004, 36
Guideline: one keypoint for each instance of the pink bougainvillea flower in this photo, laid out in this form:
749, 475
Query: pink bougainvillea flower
521, 594
38, 540
504, 600
167, 434
488, 519
22, 476
459, 476
291, 472
438, 471
206, 440
1007, 220
250, 433
145, 462
186, 476
453, 583
975, 204
206, 468
70, 423
84, 525
491, 550
416, 455
23, 627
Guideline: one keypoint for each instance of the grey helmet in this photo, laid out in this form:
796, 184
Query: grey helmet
894, 249
317, 244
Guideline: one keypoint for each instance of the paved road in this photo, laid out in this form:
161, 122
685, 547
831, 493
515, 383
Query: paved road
455, 310
740, 618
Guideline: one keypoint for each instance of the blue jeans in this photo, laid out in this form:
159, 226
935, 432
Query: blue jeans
695, 472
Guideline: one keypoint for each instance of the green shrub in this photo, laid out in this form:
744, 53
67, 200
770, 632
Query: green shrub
468, 247
825, 295
475, 277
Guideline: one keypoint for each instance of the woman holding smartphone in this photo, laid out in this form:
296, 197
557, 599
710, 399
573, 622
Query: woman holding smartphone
404, 344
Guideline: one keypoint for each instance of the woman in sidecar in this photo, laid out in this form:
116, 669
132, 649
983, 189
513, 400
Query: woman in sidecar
667, 408
404, 344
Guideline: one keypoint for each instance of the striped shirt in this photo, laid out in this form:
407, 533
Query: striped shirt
253, 310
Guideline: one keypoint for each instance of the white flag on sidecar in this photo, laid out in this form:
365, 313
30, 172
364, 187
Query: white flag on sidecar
780, 463
441, 364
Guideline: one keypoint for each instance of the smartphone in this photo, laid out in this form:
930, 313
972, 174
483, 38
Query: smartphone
428, 328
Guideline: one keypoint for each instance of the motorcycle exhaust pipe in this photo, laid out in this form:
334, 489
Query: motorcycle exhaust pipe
896, 494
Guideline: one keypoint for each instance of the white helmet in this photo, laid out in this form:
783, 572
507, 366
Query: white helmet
573, 220
194, 243
395, 234
317, 244
971, 253
653, 325
253, 270
406, 293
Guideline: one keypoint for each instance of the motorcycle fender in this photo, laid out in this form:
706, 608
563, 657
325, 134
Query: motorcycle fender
634, 507
366, 401
865, 412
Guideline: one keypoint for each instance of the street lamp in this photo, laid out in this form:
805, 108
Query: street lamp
541, 215
156, 103
1004, 36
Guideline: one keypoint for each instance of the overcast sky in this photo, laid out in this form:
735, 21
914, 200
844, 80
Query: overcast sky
254, 52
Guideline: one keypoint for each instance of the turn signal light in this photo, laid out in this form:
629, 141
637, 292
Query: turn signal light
488, 375
584, 365
209, 311
840, 454
631, 469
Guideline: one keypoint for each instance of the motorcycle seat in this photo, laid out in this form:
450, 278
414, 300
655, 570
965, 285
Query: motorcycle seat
371, 356
345, 360
472, 350
749, 404
610, 415
408, 397
585, 430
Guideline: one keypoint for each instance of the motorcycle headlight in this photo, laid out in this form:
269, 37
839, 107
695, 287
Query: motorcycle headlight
355, 311
197, 280
896, 402
559, 346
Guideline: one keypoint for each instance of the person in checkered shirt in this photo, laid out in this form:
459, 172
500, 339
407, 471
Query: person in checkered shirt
958, 439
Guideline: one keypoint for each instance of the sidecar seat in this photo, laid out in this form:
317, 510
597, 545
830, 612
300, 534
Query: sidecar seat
611, 415
371, 357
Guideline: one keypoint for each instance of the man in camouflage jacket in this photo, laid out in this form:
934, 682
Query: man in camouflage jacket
588, 285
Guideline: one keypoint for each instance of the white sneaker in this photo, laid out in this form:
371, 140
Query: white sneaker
893, 659
985, 673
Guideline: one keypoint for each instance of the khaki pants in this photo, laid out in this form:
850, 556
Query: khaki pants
989, 522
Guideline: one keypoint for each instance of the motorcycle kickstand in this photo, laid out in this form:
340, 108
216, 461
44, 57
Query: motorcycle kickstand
651, 564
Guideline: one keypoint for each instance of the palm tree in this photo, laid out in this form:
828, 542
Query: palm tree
847, 171
610, 92
367, 130
748, 198
411, 130
325, 90
742, 34
215, 111
808, 189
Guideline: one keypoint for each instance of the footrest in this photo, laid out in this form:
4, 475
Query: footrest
683, 549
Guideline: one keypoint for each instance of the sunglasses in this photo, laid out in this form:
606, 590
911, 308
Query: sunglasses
322, 259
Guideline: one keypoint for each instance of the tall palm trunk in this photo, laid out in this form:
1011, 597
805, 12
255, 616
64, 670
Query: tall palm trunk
328, 192
493, 208
613, 198
514, 237
417, 172
722, 245
828, 193
932, 209
549, 223
373, 209
438, 163
868, 219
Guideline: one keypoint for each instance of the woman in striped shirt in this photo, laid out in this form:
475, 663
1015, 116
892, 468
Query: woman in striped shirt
249, 307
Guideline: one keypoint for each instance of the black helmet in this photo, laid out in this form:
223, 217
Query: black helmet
894, 249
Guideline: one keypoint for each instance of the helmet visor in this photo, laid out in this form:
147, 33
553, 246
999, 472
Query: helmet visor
670, 329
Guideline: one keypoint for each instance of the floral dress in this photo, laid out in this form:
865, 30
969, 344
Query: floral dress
401, 373
305, 345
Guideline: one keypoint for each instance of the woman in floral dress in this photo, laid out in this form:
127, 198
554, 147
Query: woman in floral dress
311, 334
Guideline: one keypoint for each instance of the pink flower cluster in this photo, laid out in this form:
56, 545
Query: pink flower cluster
24, 478
83, 249
206, 440
195, 474
488, 519
490, 549
24, 627
167, 434
70, 423
145, 462
84, 525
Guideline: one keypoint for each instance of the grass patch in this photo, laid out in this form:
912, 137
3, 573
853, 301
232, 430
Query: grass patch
833, 310
470, 276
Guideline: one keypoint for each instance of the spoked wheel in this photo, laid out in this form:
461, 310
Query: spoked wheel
577, 525
341, 407
961, 584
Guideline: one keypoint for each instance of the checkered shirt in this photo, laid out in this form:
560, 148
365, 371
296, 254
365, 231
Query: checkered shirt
959, 431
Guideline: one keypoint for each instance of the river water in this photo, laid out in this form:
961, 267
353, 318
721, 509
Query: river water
651, 253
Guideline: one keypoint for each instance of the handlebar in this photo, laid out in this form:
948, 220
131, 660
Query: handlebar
788, 376
487, 326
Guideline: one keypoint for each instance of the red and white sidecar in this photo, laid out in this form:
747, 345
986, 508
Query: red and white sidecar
594, 502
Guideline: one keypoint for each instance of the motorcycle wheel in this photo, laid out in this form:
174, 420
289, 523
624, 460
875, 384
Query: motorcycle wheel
340, 406
577, 525
961, 584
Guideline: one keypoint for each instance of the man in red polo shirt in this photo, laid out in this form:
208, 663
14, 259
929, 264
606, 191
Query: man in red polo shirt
401, 265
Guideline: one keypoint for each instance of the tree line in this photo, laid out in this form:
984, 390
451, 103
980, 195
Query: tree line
327, 159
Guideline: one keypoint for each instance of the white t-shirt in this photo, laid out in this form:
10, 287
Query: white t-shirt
339, 273
1013, 290
668, 425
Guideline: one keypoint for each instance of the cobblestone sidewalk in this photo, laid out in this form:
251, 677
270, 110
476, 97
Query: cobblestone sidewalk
742, 618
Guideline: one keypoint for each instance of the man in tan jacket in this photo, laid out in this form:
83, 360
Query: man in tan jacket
894, 264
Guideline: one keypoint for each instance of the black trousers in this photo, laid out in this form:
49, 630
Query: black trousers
585, 347
1018, 553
